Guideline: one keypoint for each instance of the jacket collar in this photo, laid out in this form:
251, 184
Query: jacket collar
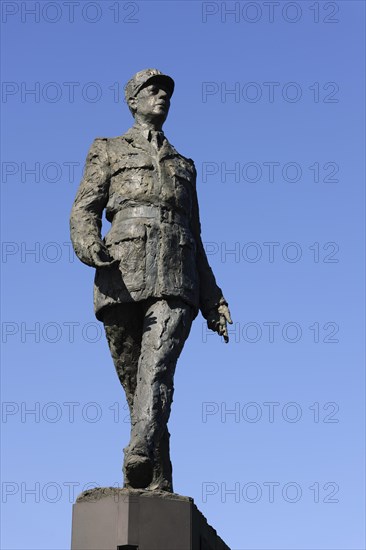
139, 138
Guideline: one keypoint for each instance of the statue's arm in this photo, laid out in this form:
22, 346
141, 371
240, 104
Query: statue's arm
213, 305
87, 210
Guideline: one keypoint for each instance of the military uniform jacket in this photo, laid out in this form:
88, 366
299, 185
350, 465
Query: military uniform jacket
149, 196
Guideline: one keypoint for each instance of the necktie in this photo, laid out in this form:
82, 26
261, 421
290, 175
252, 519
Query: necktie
156, 138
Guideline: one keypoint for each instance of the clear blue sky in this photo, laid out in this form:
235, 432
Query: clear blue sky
269, 102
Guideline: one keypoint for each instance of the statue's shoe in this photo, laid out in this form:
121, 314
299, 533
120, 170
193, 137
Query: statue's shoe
161, 485
138, 471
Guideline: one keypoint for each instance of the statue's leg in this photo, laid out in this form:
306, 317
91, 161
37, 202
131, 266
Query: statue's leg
167, 324
123, 328
162, 475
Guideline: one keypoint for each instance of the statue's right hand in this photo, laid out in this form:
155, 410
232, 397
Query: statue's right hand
99, 256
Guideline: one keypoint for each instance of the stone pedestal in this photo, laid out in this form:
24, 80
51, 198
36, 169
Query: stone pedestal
133, 519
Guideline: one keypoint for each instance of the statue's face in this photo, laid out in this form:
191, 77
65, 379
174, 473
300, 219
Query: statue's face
152, 103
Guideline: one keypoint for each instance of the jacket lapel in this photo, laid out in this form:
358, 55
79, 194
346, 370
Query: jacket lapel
167, 150
138, 141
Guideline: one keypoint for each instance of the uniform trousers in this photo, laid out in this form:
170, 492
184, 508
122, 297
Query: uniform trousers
145, 339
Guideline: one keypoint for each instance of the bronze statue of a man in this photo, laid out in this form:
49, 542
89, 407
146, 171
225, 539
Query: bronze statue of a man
152, 274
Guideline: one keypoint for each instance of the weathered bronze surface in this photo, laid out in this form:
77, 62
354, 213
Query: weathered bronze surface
152, 274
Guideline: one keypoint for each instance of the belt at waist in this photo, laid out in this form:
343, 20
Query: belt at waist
160, 213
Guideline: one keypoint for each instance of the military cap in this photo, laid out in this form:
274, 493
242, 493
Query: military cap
140, 79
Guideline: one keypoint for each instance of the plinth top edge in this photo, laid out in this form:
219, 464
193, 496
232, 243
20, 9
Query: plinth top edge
93, 495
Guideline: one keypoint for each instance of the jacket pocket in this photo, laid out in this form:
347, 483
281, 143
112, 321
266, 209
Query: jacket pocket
126, 242
131, 162
184, 186
187, 246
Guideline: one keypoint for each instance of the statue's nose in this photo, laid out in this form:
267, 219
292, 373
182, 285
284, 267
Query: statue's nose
163, 94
